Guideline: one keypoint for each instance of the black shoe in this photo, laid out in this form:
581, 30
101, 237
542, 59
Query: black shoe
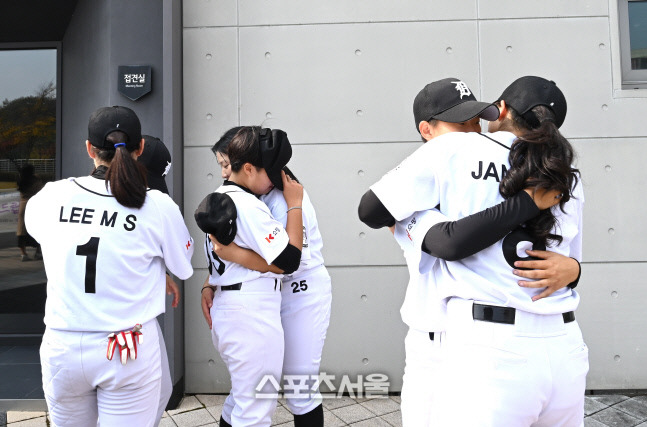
223, 423
313, 418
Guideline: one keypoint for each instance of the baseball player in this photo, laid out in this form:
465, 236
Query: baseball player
305, 302
422, 309
247, 329
517, 359
157, 161
106, 241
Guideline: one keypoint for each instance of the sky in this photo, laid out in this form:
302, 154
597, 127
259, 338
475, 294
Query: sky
23, 72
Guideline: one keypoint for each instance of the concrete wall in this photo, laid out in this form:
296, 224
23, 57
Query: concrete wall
340, 77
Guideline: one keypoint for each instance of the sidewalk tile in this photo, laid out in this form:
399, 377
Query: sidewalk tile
373, 422
188, 403
609, 399
211, 399
591, 406
15, 416
34, 422
167, 422
337, 402
394, 418
634, 406
615, 418
590, 422
282, 416
353, 413
381, 406
199, 417
331, 420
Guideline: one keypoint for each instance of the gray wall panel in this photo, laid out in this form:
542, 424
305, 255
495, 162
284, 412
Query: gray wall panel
352, 83
614, 226
205, 13
336, 176
262, 12
512, 47
500, 9
205, 371
210, 84
202, 178
611, 315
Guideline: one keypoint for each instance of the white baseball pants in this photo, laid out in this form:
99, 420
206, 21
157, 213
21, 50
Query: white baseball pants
305, 316
530, 373
248, 335
423, 359
82, 386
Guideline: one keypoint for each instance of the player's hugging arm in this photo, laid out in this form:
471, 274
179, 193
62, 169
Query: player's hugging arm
455, 240
245, 257
373, 213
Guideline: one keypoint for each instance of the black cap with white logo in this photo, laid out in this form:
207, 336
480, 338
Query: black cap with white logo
157, 160
450, 100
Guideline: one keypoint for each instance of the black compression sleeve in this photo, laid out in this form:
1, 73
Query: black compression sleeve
373, 213
572, 285
454, 240
289, 259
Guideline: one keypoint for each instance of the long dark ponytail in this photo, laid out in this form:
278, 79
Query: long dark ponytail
541, 159
126, 176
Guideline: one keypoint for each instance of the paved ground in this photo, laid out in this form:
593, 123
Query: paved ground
614, 410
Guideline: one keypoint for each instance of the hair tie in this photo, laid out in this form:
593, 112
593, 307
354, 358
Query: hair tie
120, 144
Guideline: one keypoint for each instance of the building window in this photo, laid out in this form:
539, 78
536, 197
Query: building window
28, 114
632, 16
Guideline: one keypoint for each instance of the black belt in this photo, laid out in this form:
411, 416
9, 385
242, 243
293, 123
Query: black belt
234, 287
497, 314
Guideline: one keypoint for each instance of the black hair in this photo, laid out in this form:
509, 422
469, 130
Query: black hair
541, 158
127, 177
245, 148
222, 145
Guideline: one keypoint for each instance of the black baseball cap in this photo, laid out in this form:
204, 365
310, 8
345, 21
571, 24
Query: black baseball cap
157, 160
527, 92
106, 120
216, 215
276, 152
450, 100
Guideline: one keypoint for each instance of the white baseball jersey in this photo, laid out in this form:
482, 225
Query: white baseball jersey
312, 243
423, 308
105, 262
461, 172
257, 230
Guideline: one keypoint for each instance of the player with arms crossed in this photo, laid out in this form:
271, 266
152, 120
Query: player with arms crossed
498, 331
305, 298
247, 329
106, 242
439, 108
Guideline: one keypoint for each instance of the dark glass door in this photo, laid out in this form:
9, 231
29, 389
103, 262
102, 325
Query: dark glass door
27, 162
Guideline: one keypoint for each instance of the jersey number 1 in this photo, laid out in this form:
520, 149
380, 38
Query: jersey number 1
89, 250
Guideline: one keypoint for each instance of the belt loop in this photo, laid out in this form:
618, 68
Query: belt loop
431, 336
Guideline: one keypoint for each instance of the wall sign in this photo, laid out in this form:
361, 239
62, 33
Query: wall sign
134, 81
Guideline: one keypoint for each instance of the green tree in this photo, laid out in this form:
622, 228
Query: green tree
28, 126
